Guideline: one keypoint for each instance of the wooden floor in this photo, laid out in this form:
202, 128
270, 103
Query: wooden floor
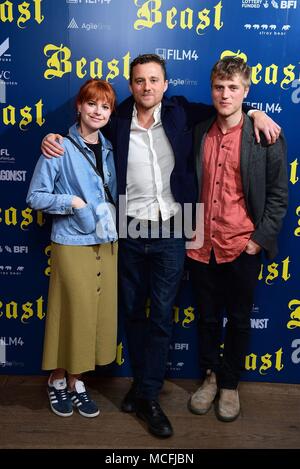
270, 418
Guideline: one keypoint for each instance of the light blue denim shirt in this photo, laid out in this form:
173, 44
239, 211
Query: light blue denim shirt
55, 181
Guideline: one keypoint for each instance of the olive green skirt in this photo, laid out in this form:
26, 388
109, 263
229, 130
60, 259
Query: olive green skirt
81, 323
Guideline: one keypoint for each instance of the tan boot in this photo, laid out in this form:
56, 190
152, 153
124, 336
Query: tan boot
228, 408
201, 401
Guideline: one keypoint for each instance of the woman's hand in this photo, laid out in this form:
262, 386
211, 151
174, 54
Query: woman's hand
77, 202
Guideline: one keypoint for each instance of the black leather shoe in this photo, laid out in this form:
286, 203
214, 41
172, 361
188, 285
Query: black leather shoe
151, 412
128, 403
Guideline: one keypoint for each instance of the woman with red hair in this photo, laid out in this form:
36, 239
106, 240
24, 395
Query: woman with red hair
79, 190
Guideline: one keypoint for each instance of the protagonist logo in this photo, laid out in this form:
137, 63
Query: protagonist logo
12, 175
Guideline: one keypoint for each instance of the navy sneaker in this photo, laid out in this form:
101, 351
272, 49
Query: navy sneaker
81, 400
60, 401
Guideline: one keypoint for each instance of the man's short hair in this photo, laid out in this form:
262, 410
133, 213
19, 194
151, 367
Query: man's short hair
145, 59
227, 67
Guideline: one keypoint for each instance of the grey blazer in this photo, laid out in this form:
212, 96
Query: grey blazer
264, 179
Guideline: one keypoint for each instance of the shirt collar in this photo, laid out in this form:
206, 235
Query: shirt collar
156, 113
232, 129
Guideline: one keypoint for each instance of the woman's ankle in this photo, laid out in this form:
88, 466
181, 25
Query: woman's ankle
59, 373
72, 380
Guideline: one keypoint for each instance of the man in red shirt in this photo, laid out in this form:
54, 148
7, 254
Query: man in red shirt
243, 186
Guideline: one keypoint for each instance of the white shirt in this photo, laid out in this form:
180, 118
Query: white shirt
150, 164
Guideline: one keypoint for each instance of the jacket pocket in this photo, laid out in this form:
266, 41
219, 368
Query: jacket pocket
83, 220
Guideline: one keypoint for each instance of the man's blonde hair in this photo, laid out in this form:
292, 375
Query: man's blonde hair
227, 67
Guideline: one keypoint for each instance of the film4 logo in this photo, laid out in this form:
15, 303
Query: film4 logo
177, 54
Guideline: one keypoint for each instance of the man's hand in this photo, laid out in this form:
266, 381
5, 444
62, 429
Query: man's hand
51, 145
266, 125
77, 202
252, 248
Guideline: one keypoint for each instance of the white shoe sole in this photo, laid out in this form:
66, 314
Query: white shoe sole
95, 414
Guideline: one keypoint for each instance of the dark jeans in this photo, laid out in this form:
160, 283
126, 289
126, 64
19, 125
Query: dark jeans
229, 286
149, 268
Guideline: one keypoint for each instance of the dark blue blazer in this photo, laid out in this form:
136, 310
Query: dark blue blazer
178, 119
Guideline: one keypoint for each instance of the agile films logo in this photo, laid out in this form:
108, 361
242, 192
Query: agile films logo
276, 4
90, 26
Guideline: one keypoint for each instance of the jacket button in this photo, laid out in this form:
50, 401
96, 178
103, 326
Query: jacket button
109, 174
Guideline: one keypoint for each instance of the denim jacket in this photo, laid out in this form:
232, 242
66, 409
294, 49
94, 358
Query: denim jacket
55, 181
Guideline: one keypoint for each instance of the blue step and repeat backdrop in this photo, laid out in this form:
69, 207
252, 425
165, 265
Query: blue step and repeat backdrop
47, 49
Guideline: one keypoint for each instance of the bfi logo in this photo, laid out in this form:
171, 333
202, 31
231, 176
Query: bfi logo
283, 4
14, 249
177, 54
287, 4
20, 249
179, 346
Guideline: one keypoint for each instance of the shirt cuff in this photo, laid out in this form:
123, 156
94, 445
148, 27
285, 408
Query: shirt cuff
66, 204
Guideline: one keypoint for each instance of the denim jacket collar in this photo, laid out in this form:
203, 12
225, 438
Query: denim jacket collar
74, 132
